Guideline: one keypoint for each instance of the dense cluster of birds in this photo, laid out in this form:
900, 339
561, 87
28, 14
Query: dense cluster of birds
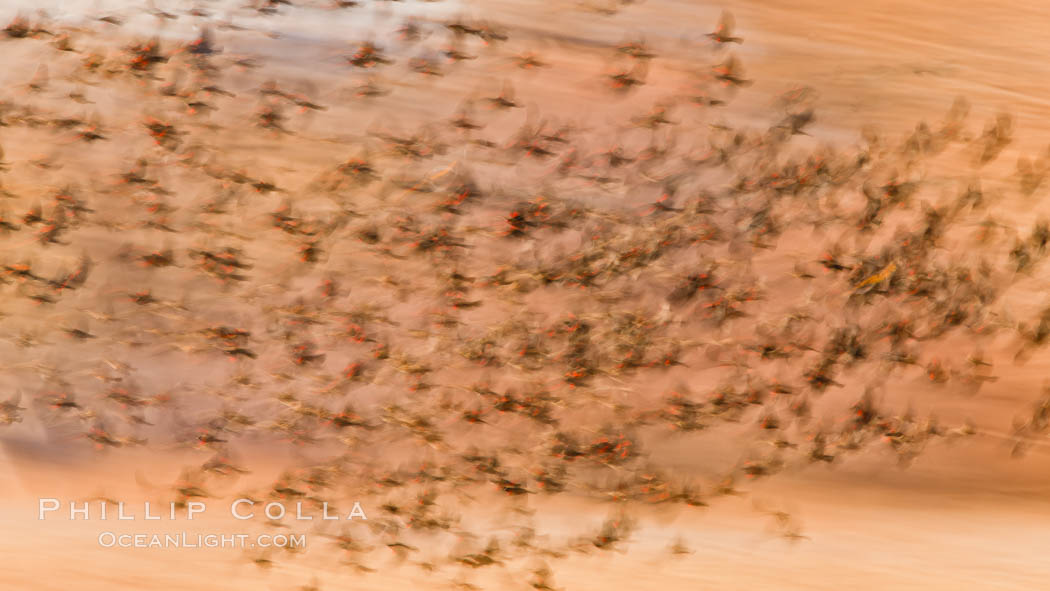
426, 334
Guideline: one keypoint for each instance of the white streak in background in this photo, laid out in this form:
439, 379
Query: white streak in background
306, 19
306, 33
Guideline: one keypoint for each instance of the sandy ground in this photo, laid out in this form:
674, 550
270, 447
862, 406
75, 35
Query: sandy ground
964, 514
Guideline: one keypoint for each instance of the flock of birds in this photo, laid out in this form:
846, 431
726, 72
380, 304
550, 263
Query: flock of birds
424, 337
